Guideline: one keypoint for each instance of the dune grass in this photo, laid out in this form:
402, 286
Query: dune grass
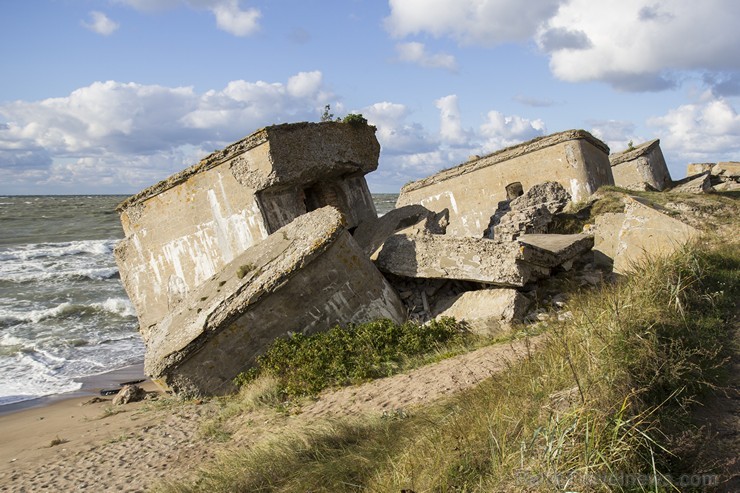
594, 409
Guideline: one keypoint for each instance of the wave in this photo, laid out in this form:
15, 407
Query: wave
116, 306
32, 251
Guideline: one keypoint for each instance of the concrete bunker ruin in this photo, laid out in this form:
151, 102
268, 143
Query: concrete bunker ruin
183, 230
575, 159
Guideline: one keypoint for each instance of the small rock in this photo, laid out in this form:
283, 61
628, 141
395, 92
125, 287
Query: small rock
129, 393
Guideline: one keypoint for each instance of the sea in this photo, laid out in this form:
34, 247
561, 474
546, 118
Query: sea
64, 314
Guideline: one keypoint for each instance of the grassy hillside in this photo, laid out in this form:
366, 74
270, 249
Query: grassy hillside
605, 404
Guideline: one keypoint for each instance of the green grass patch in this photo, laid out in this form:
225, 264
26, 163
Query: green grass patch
306, 364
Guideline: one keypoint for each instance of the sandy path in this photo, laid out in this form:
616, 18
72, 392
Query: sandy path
132, 450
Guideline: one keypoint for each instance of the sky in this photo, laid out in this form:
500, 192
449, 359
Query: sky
111, 96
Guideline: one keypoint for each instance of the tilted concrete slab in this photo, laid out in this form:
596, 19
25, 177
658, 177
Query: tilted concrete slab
606, 237
643, 164
694, 184
727, 169
467, 259
486, 311
551, 250
308, 276
575, 159
646, 230
698, 168
183, 230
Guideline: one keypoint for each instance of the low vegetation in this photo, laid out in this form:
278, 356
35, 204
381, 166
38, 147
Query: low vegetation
306, 364
598, 408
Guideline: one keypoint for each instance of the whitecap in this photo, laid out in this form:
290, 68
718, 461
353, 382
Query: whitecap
119, 306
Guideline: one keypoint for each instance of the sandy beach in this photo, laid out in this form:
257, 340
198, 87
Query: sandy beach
85, 443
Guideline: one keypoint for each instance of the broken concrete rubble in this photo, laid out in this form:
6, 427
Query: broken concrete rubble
308, 276
575, 159
694, 184
183, 230
640, 166
486, 311
531, 212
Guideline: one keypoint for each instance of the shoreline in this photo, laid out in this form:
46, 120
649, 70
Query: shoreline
91, 386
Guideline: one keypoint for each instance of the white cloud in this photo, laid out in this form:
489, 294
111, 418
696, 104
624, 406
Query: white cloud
134, 134
415, 52
486, 22
395, 134
100, 23
706, 130
450, 122
230, 16
502, 131
615, 133
233, 20
639, 44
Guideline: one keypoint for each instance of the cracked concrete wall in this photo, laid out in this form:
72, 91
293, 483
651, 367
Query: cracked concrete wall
575, 159
182, 230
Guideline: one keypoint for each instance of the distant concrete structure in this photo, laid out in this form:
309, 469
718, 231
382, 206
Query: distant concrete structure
307, 277
644, 164
183, 230
575, 159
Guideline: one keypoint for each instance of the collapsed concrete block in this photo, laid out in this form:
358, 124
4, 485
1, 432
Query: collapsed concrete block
371, 234
641, 165
449, 257
183, 230
486, 311
481, 260
646, 230
693, 169
575, 159
308, 276
531, 212
694, 184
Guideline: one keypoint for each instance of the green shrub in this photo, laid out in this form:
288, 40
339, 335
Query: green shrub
355, 119
307, 364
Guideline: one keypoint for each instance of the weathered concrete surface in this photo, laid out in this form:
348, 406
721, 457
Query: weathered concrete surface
306, 277
449, 257
606, 237
486, 311
646, 230
643, 164
727, 170
371, 234
575, 159
698, 168
531, 212
694, 184
551, 250
183, 230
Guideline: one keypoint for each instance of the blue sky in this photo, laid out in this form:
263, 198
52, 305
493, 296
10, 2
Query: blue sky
110, 96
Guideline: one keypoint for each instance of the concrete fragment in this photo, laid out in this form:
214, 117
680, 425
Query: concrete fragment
308, 276
694, 184
575, 159
531, 212
183, 230
486, 311
647, 230
641, 165
448, 257
371, 234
